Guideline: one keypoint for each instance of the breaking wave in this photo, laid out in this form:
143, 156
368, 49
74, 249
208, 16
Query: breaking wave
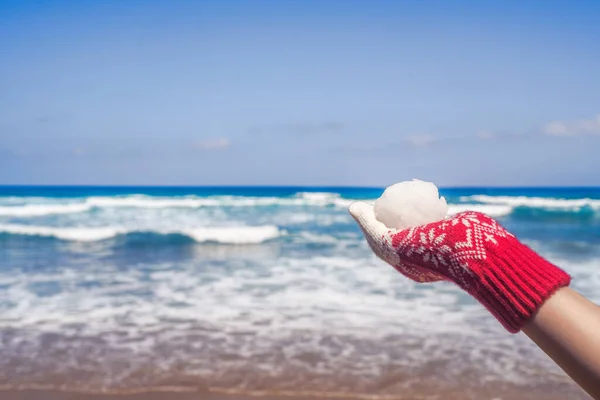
38, 210
225, 235
535, 202
491, 210
143, 201
495, 206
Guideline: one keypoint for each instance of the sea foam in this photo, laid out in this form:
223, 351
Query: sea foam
495, 206
491, 210
37, 210
150, 202
225, 235
538, 202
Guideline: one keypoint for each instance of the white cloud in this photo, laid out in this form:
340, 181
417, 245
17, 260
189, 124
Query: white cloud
78, 152
573, 128
485, 135
420, 140
220, 143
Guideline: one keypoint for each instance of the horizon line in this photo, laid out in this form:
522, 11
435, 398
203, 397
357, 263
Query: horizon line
286, 186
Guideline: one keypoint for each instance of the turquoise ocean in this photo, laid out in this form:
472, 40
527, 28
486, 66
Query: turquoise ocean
262, 288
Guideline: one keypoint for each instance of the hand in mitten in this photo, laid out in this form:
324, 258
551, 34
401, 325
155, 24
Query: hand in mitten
473, 251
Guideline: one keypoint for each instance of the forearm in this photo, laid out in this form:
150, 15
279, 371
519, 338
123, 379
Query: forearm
567, 328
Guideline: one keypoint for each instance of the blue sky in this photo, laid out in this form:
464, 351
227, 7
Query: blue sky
300, 92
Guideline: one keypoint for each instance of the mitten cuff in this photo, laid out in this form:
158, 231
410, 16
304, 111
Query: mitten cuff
515, 283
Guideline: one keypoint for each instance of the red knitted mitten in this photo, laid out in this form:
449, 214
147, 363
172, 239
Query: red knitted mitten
473, 251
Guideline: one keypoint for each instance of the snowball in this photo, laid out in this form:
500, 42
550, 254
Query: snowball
410, 203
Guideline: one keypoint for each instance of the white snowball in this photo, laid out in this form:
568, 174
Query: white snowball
410, 203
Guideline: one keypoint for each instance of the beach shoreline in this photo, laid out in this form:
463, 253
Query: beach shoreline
178, 393
45, 392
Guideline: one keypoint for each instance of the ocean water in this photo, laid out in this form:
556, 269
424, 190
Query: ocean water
262, 289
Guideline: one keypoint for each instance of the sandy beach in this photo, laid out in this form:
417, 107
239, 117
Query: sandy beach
171, 393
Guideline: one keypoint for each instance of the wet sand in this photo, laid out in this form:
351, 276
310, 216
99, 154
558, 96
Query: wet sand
63, 395
176, 393
168, 394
